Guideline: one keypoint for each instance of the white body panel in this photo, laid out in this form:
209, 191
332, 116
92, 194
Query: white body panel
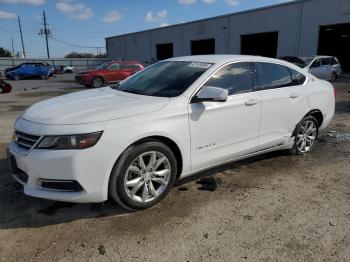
207, 134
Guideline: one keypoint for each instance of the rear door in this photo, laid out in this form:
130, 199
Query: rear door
284, 102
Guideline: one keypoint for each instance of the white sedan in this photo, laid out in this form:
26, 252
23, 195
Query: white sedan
323, 67
176, 118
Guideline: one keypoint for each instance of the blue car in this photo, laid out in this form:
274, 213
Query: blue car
29, 70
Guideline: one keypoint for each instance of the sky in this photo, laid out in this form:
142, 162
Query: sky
81, 26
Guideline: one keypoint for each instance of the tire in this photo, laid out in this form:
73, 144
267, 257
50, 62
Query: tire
97, 82
305, 134
136, 188
43, 77
334, 76
16, 78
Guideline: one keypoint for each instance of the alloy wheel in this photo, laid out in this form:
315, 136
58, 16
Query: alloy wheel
147, 176
306, 136
97, 82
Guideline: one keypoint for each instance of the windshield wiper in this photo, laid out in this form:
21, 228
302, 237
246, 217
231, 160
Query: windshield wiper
130, 91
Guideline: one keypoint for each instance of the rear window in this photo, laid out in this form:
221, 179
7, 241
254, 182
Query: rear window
271, 76
334, 61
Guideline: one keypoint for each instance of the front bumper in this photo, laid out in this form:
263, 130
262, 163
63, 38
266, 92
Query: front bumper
89, 168
81, 79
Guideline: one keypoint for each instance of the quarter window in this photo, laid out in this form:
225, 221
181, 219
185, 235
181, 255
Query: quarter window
236, 78
272, 76
297, 78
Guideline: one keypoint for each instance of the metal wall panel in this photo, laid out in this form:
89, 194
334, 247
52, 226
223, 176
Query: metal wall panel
283, 19
164, 36
297, 24
212, 28
316, 13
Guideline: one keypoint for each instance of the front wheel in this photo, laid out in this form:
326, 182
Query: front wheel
97, 82
143, 175
305, 135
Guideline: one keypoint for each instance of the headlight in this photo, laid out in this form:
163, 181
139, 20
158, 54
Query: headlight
69, 141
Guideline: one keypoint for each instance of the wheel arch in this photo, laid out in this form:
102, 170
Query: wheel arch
168, 142
316, 113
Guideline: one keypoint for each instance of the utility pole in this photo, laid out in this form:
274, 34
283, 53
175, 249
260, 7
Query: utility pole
46, 35
13, 49
20, 30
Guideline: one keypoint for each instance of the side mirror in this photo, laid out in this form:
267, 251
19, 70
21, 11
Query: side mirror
210, 94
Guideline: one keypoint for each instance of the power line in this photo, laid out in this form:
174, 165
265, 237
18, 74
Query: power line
76, 45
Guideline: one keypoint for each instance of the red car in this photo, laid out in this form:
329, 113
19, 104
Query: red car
108, 73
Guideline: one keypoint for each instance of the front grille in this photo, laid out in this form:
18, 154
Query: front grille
25, 141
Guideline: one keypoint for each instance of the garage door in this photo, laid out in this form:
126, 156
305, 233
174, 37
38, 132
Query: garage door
262, 44
203, 47
335, 41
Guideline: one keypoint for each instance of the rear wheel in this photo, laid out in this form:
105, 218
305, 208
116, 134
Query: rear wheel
143, 175
305, 135
97, 82
16, 78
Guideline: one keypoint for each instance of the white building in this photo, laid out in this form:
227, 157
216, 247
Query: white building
297, 28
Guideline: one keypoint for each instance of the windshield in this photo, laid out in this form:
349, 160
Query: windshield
164, 79
102, 66
307, 60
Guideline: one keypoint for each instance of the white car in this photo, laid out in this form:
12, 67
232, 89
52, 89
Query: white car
323, 67
176, 118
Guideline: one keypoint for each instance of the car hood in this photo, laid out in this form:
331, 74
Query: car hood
92, 106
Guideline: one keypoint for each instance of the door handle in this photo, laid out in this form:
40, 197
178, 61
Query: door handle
251, 102
294, 95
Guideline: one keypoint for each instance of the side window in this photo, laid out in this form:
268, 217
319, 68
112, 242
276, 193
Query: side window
334, 61
236, 78
325, 61
272, 76
130, 66
316, 63
114, 67
297, 78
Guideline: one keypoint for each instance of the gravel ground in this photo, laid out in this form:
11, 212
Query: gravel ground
273, 207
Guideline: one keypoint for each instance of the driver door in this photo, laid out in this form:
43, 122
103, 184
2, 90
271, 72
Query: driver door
113, 73
222, 131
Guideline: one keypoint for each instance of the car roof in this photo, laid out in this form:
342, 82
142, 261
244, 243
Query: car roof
317, 56
124, 62
221, 59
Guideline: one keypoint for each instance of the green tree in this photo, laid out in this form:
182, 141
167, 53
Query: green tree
4, 52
